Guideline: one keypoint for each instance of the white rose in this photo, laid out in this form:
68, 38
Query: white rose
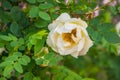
69, 36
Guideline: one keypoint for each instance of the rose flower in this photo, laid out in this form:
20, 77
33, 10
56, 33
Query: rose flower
69, 36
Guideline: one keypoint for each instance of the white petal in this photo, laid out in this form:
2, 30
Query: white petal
84, 31
75, 54
88, 44
83, 23
79, 35
69, 27
62, 49
66, 44
70, 51
51, 42
81, 44
65, 28
78, 22
63, 16
53, 25
60, 46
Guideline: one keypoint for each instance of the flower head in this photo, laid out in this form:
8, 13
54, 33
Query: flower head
69, 36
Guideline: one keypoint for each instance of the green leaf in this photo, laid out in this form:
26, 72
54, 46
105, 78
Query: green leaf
7, 70
62, 72
106, 27
40, 0
39, 35
45, 6
5, 17
106, 30
28, 76
6, 4
41, 24
112, 37
14, 28
39, 61
33, 12
53, 60
15, 11
5, 63
44, 16
31, 1
95, 35
49, 55
21, 48
118, 8
38, 46
14, 43
6, 38
36, 78
14, 38
18, 54
22, 61
18, 67
26, 58
11, 58
21, 41
88, 79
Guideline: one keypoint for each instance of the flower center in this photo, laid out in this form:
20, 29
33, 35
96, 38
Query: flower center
67, 37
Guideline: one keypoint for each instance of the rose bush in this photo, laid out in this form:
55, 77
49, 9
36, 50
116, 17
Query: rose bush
69, 36
25, 49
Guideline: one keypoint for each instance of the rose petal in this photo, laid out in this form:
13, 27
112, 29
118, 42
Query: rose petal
80, 47
50, 41
81, 44
88, 44
78, 22
82, 23
53, 25
62, 49
75, 54
63, 17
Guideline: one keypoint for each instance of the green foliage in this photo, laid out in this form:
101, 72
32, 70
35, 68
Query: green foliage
14, 61
99, 31
14, 28
44, 15
62, 73
33, 11
23, 34
28, 76
31, 1
45, 6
